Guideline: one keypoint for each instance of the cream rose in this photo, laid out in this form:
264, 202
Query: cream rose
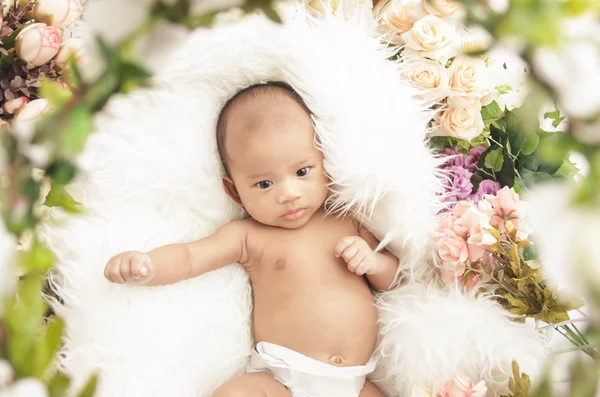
69, 47
12, 106
469, 81
441, 8
431, 37
399, 18
58, 13
24, 121
464, 123
431, 77
37, 43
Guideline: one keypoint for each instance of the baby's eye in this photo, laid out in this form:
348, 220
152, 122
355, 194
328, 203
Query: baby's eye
303, 171
264, 184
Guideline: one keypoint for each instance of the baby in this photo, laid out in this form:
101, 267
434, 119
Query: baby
315, 323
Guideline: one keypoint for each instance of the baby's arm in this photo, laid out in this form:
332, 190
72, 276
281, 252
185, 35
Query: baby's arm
172, 263
358, 252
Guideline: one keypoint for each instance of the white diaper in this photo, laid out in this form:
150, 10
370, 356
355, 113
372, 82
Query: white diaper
307, 377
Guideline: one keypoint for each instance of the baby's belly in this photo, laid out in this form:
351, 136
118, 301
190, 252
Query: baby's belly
331, 322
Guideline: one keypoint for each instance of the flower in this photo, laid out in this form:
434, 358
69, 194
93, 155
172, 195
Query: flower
28, 387
472, 158
460, 186
58, 13
453, 251
486, 187
468, 81
7, 374
23, 123
431, 37
429, 76
398, 18
441, 8
477, 39
462, 387
72, 46
464, 123
508, 208
37, 43
12, 106
476, 219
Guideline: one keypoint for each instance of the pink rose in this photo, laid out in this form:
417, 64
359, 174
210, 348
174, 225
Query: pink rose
449, 222
480, 236
462, 387
12, 106
454, 252
58, 13
37, 43
505, 204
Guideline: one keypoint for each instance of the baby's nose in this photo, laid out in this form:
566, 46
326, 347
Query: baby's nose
289, 192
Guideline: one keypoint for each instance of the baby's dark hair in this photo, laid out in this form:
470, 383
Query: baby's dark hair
250, 93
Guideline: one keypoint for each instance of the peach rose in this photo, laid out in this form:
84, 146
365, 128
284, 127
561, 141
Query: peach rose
462, 387
480, 236
465, 123
58, 13
449, 222
37, 43
12, 106
431, 37
468, 81
431, 77
507, 207
454, 252
400, 18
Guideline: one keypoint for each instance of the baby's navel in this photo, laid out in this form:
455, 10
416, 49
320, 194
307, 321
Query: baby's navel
337, 360
279, 264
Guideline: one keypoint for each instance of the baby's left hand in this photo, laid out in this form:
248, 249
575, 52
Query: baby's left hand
361, 259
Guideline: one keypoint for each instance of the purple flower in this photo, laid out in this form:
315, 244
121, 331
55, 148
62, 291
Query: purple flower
456, 159
487, 186
459, 187
472, 159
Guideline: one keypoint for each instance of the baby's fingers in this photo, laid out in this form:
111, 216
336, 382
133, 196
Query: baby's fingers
140, 266
343, 245
112, 272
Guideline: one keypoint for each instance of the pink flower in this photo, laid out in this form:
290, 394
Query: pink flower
37, 43
480, 237
459, 186
58, 13
505, 204
454, 252
462, 387
12, 106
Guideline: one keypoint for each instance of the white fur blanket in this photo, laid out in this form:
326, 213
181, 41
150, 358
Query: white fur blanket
151, 176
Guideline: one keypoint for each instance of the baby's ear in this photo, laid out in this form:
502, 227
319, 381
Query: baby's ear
230, 189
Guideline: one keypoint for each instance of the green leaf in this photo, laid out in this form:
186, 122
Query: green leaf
567, 170
494, 160
530, 143
132, 75
555, 117
38, 259
58, 385
55, 93
59, 197
491, 112
49, 342
504, 88
76, 130
90, 388
61, 172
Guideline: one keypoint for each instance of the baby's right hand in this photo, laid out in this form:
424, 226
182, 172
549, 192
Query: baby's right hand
130, 267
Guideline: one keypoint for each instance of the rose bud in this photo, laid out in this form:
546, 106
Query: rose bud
38, 43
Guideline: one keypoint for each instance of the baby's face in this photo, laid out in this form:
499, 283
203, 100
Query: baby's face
276, 171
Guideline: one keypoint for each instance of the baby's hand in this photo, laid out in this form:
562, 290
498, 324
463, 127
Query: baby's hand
130, 267
361, 259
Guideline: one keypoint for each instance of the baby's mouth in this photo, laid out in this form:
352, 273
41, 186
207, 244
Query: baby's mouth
294, 214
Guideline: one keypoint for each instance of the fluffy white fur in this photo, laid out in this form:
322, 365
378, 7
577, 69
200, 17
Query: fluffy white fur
151, 175
428, 335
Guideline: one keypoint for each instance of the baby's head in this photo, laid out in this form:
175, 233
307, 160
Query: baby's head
266, 140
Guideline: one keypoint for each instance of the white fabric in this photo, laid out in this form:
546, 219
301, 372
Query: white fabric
305, 376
